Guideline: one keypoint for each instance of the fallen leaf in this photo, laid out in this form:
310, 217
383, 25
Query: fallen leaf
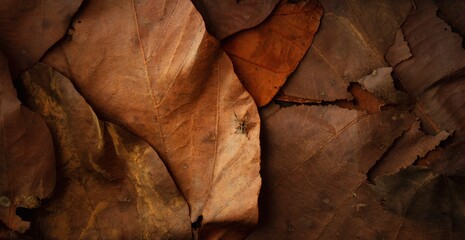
399, 51
112, 184
350, 43
314, 158
266, 55
166, 80
27, 159
380, 83
437, 51
226, 17
29, 28
413, 144
452, 12
414, 203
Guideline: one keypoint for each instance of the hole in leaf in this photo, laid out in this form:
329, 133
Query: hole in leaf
25, 214
198, 223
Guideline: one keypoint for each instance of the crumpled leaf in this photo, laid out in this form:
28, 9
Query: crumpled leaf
437, 51
414, 203
381, 84
350, 43
226, 17
452, 12
399, 51
112, 184
170, 84
27, 159
315, 157
266, 55
413, 144
29, 28
435, 73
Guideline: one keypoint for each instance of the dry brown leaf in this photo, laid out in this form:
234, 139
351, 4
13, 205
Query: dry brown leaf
399, 51
381, 84
29, 28
452, 12
266, 55
112, 184
166, 80
437, 51
350, 43
27, 159
315, 158
226, 17
414, 203
412, 145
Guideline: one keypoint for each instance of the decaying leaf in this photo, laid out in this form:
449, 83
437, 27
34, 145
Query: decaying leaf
266, 55
112, 184
166, 80
380, 83
412, 145
226, 17
314, 158
29, 28
415, 203
350, 43
27, 160
399, 51
452, 12
437, 51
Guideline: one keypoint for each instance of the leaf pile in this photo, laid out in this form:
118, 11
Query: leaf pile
233, 119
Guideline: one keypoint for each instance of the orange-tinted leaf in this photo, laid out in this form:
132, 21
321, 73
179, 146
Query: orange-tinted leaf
27, 160
315, 158
350, 43
112, 184
166, 80
266, 55
227, 17
29, 28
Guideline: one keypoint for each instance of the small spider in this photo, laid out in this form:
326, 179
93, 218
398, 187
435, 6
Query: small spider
242, 125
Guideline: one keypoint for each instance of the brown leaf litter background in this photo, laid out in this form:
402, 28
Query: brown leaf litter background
235, 119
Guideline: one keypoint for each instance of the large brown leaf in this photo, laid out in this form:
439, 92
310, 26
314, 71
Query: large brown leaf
350, 43
437, 51
29, 28
27, 160
412, 145
226, 17
112, 184
314, 158
266, 55
166, 80
414, 203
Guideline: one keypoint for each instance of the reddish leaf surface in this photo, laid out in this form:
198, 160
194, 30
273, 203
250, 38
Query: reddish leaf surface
315, 158
112, 184
350, 43
29, 28
266, 55
226, 17
27, 160
166, 80
415, 203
